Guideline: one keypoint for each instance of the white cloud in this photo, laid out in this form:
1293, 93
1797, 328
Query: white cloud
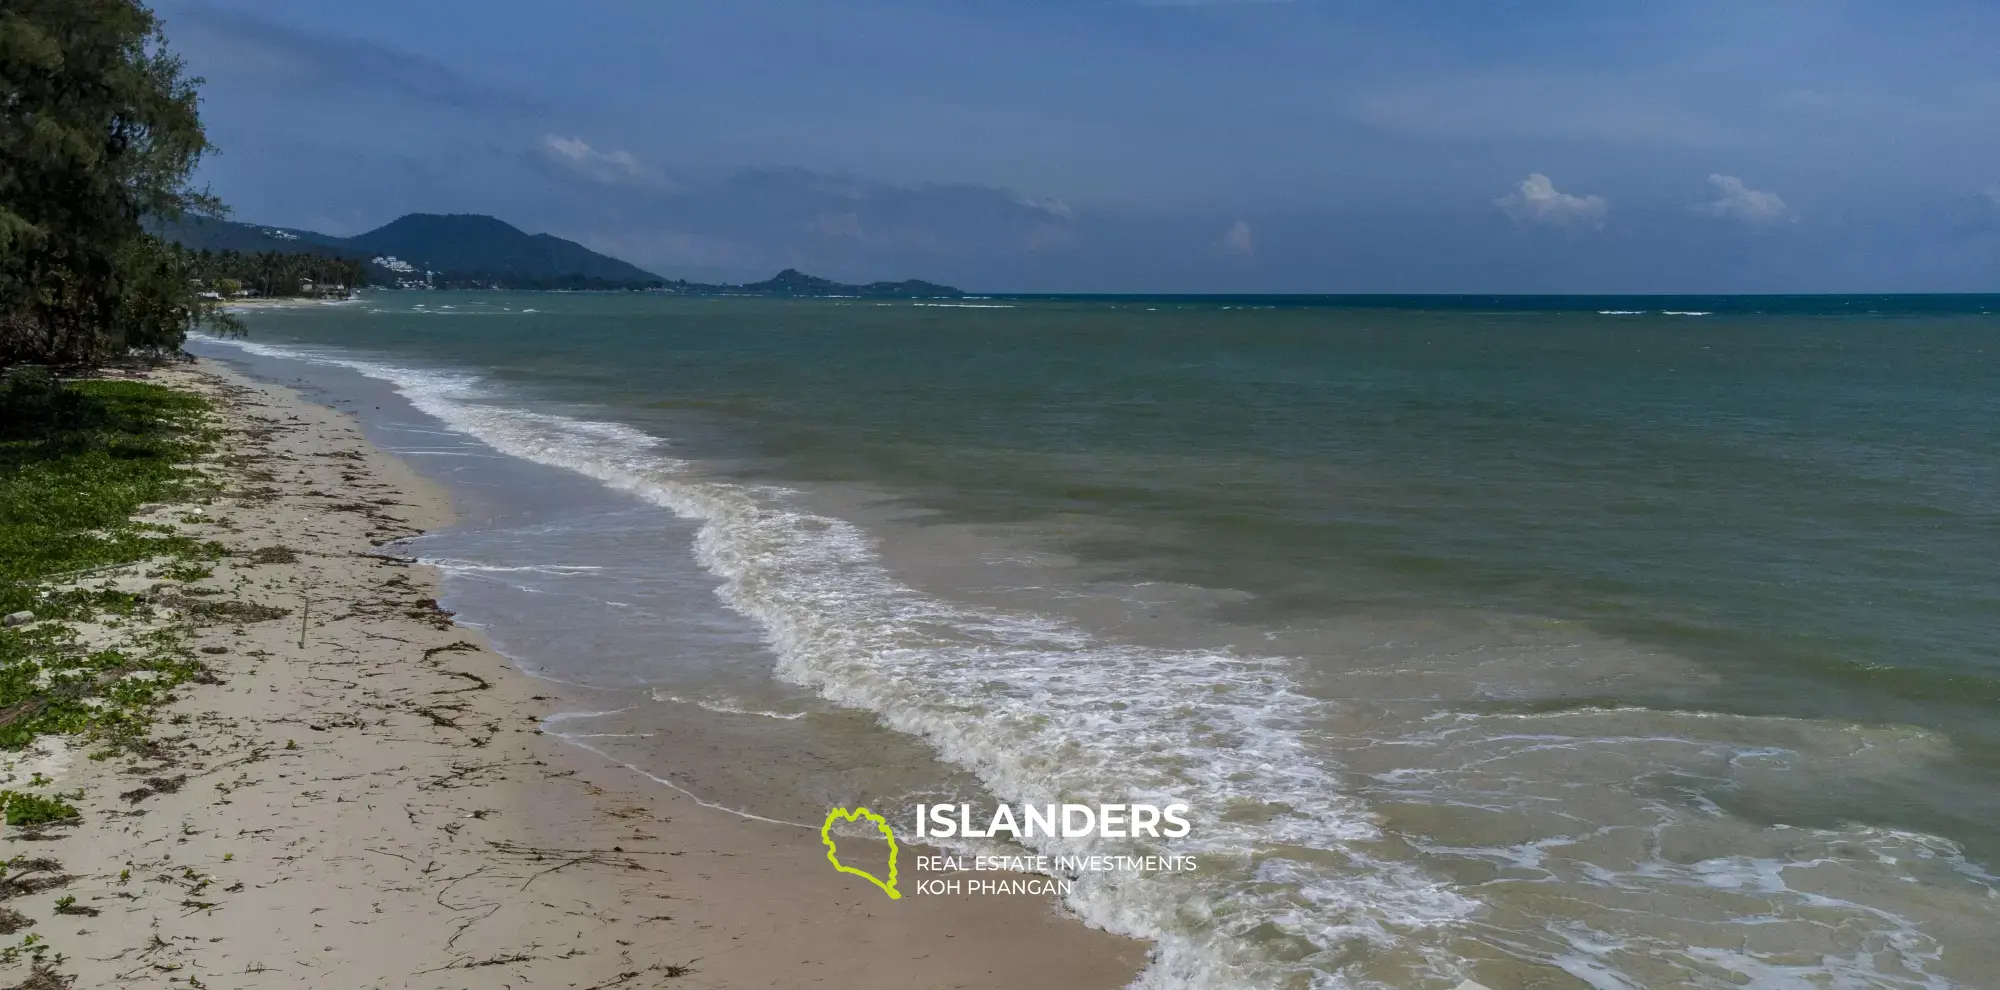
1053, 207
1737, 201
1537, 200
1237, 241
610, 167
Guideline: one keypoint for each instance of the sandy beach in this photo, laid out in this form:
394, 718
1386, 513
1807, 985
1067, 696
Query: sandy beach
362, 795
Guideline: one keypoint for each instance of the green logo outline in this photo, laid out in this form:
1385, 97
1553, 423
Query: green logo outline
833, 851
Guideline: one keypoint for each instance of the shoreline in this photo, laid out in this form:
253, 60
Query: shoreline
286, 302
364, 795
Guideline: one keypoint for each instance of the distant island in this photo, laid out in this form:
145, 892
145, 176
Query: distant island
794, 284
469, 251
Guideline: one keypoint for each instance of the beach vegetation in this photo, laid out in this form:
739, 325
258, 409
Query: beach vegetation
275, 274
44, 976
78, 460
67, 904
31, 947
99, 135
33, 810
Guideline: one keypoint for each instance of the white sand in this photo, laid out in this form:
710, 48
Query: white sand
423, 833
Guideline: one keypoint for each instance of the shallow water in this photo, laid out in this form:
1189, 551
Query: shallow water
1553, 649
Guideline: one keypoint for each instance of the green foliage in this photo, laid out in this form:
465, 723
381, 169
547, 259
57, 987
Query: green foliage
30, 810
76, 461
274, 274
99, 131
88, 604
48, 685
31, 947
183, 571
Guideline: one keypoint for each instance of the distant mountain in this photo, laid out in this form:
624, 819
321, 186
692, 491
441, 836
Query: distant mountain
464, 248
469, 251
792, 283
228, 235
443, 251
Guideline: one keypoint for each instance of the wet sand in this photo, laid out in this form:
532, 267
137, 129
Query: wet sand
365, 798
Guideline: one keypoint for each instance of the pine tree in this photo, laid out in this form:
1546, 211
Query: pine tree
99, 134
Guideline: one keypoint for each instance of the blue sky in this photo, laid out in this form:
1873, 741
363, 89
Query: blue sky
1413, 146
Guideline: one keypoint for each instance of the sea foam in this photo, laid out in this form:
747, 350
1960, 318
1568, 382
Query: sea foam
1300, 878
1040, 710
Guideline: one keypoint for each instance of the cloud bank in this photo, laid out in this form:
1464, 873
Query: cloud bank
1736, 201
1117, 147
609, 167
1537, 200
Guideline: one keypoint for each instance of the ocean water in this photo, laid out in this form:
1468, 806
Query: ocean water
1553, 643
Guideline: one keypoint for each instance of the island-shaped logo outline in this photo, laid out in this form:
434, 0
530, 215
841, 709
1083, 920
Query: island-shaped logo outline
833, 850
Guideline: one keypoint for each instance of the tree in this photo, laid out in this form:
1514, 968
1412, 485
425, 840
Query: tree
274, 273
99, 134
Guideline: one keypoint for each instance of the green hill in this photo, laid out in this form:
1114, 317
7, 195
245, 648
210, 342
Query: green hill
473, 248
458, 251
469, 251
795, 283
227, 235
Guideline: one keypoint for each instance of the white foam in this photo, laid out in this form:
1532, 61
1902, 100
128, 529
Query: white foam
573, 716
468, 567
1044, 712
576, 739
1865, 898
1040, 710
726, 707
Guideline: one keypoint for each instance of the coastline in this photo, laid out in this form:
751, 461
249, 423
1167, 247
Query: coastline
286, 302
1424, 785
365, 798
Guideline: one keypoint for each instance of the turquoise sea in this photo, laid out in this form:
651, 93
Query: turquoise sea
1549, 642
